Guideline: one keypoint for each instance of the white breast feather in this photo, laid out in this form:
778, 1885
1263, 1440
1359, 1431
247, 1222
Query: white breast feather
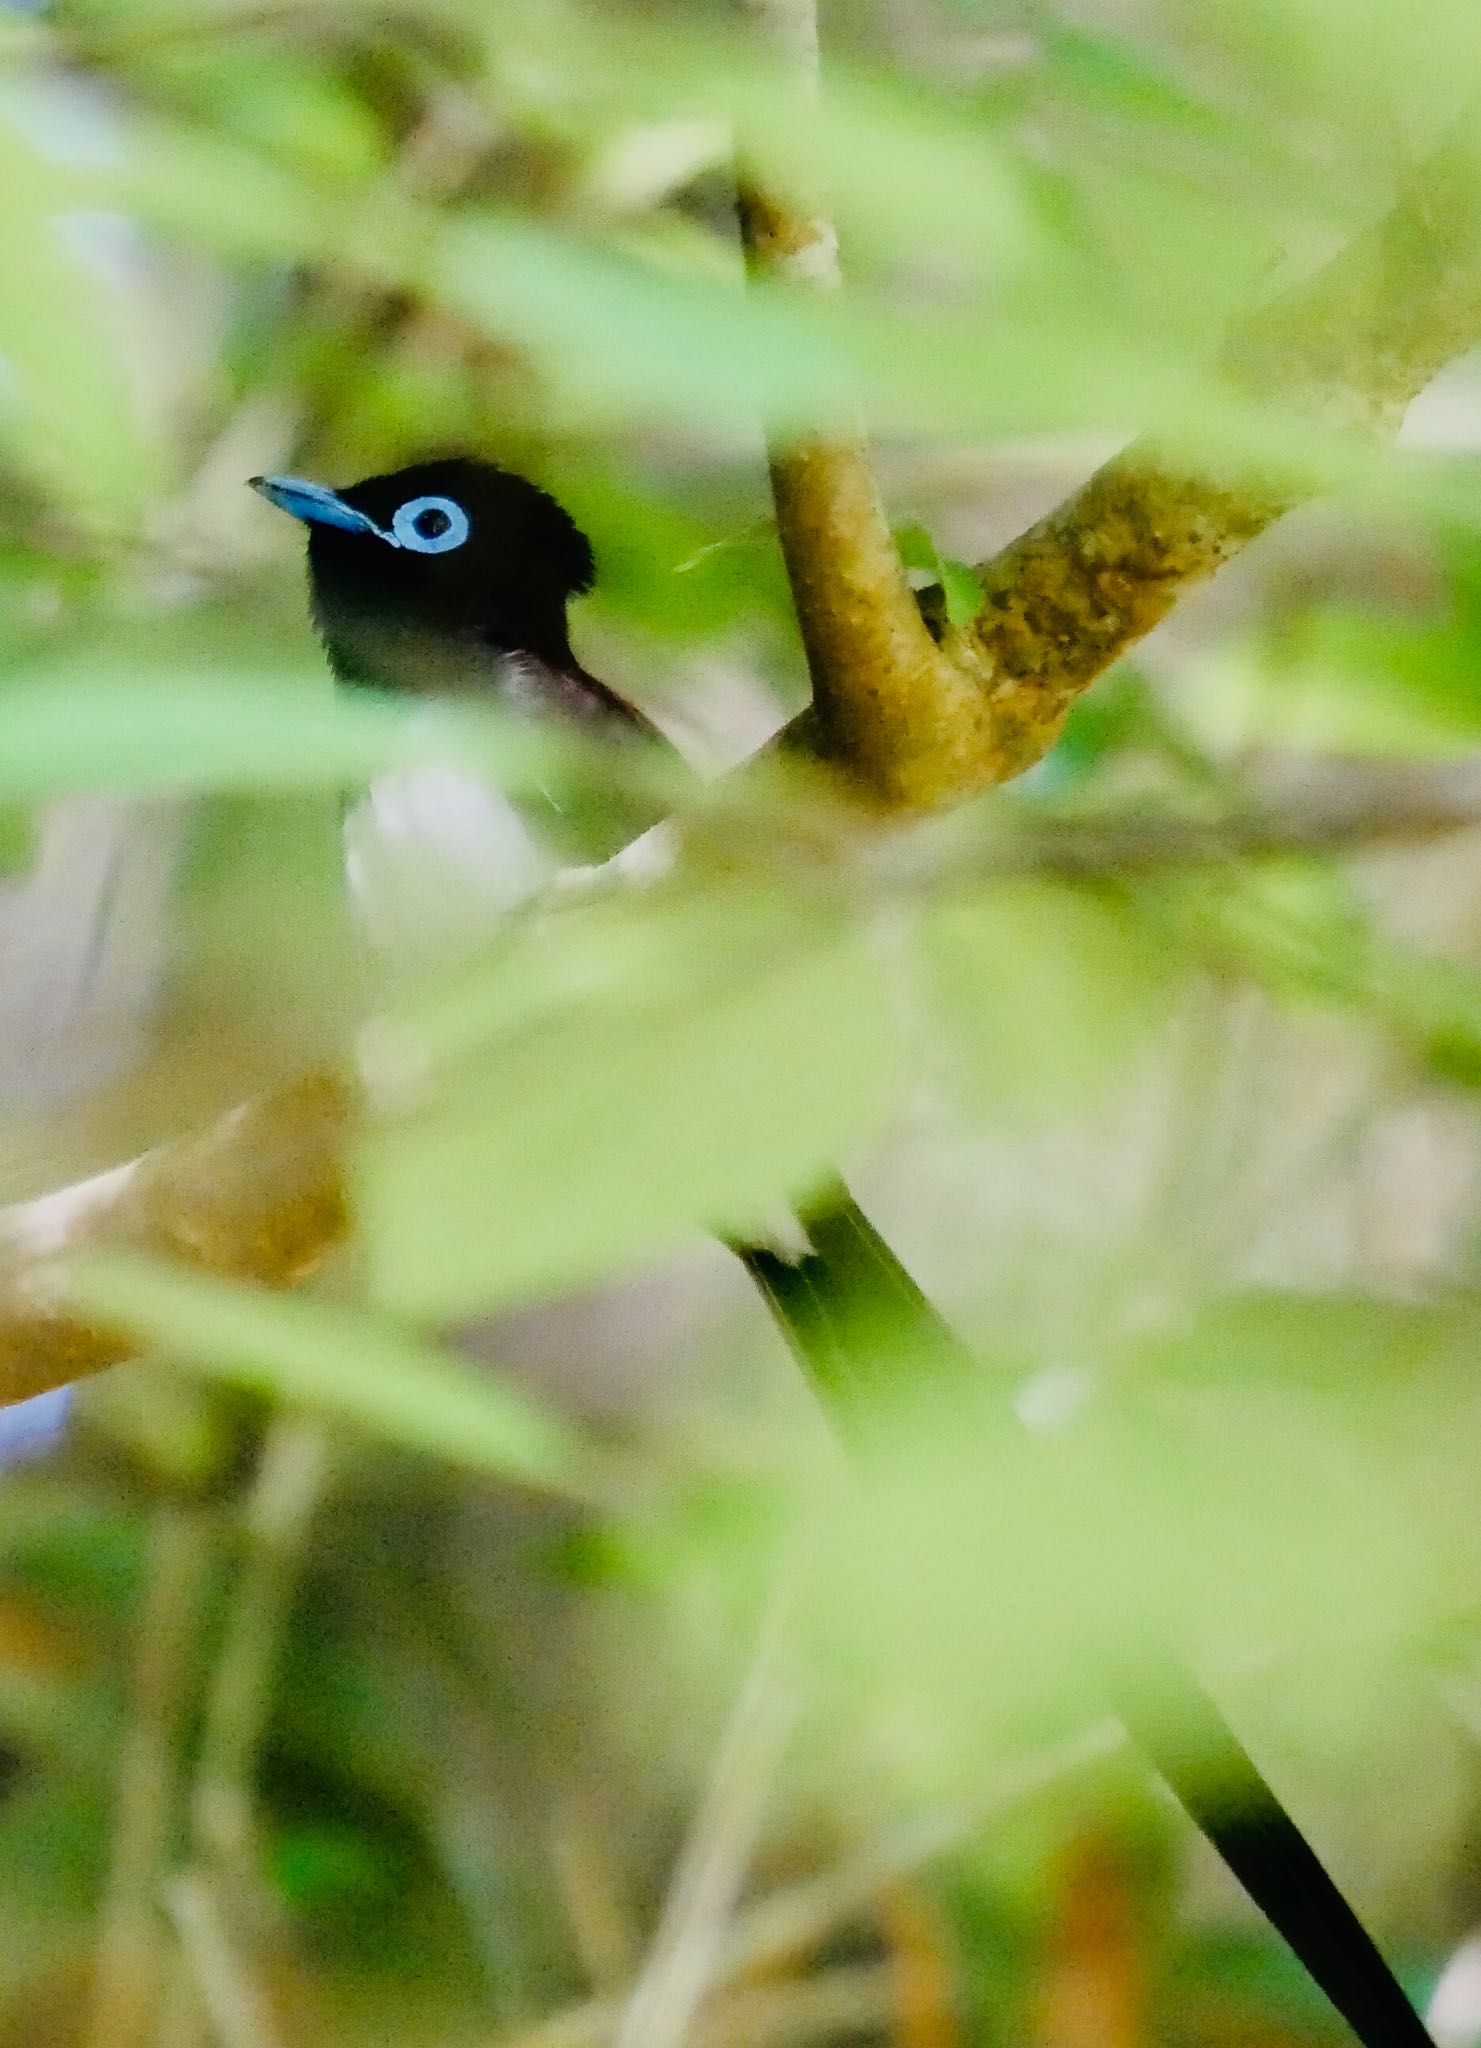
435, 859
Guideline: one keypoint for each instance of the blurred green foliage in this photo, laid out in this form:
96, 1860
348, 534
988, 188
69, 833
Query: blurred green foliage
1188, 1150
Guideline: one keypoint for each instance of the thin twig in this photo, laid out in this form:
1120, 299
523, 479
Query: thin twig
794, 1922
285, 1494
132, 1948
276, 1519
233, 2000
678, 1974
1373, 813
805, 2014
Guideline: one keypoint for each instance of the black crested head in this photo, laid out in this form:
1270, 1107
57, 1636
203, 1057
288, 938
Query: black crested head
419, 575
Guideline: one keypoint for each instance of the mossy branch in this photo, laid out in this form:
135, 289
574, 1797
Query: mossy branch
920, 726
1350, 347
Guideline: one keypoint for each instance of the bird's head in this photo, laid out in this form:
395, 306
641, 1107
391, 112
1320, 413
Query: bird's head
451, 549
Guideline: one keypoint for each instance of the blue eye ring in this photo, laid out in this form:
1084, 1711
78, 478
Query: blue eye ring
406, 526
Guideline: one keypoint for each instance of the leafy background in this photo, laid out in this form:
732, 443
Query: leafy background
491, 1648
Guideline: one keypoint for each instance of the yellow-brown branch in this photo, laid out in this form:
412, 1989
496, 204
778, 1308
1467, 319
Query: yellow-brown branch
258, 1196
919, 726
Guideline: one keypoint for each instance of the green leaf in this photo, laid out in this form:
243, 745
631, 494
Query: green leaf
1302, 927
69, 407
894, 159
902, 159
206, 188
598, 1097
1128, 81
354, 1367
135, 736
959, 583
1344, 681
224, 730
1045, 994
620, 335
17, 838
266, 960
283, 98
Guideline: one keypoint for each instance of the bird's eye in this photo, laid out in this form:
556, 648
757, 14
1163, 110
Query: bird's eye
430, 526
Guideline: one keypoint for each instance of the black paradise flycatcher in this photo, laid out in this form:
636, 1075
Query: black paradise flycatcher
452, 578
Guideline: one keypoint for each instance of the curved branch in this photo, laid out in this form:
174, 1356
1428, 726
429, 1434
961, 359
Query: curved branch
1350, 346
258, 1196
920, 728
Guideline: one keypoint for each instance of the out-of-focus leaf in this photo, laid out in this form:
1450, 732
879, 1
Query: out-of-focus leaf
1386, 1390
414, 398
672, 347
1362, 1348
68, 406
17, 838
227, 731
1046, 994
594, 1101
1297, 923
1176, 262
1125, 78
942, 164
670, 567
1122, 715
278, 97
131, 735
209, 189
266, 959
356, 1368
1386, 81
895, 157
1225, 1520
1344, 682
714, 353
1299, 926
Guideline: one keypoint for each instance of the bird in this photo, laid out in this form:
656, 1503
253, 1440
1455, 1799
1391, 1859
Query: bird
451, 580
453, 577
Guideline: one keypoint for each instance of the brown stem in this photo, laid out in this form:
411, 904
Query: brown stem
886, 701
131, 1952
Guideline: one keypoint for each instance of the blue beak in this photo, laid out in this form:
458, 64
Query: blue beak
313, 504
